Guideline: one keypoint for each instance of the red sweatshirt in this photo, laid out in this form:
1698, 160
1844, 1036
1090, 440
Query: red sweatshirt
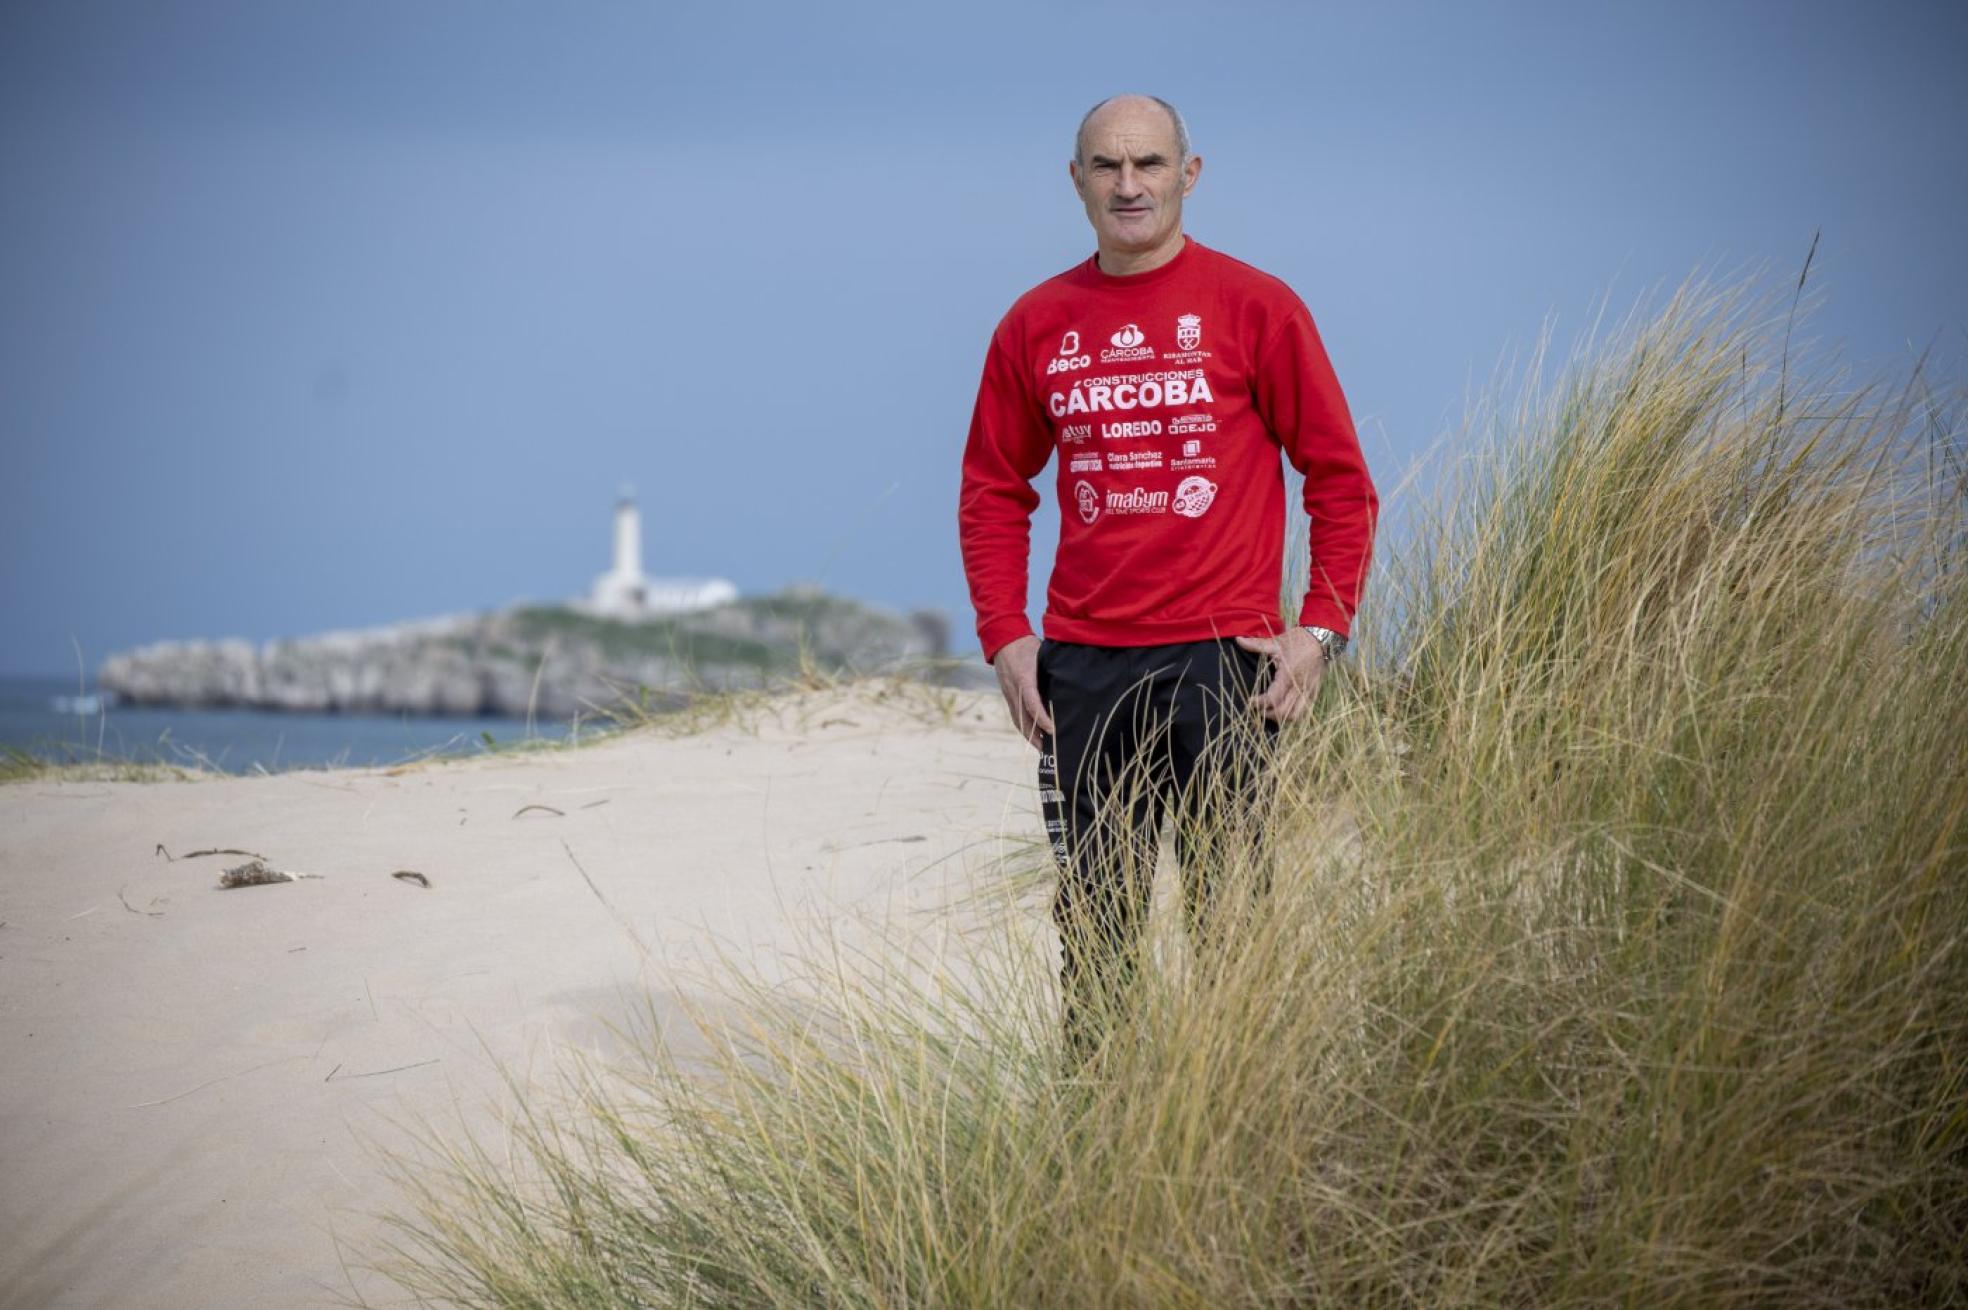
1167, 395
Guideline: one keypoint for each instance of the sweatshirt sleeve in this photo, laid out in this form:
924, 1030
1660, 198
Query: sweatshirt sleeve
1299, 398
1008, 446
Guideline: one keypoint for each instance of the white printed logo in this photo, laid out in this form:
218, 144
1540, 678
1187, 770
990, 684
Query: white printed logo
1189, 331
1138, 500
1193, 457
1193, 497
1075, 432
1070, 343
1089, 462
1102, 397
1128, 337
1089, 501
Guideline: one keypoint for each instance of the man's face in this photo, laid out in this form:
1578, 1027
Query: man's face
1129, 178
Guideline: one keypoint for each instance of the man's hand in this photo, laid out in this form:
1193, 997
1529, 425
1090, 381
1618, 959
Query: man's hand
1298, 661
1017, 663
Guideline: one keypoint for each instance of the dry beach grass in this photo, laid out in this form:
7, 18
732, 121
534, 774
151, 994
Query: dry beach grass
1615, 955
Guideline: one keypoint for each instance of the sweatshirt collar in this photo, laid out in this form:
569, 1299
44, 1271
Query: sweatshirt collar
1128, 281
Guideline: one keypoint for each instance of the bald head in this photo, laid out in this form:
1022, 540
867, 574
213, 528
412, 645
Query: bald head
1129, 110
1132, 168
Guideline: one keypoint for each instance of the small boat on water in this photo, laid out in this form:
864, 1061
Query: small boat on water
90, 703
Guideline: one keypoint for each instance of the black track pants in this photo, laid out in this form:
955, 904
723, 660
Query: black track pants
1144, 732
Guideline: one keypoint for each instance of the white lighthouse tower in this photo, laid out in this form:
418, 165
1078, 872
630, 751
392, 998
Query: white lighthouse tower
624, 592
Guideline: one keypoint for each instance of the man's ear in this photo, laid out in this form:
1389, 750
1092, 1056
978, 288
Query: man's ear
1073, 171
1190, 172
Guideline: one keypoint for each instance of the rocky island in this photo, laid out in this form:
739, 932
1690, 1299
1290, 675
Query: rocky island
651, 641
551, 661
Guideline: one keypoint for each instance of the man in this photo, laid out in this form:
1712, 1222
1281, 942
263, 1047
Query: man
1167, 377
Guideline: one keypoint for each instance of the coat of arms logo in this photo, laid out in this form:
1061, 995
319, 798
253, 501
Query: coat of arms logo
1189, 331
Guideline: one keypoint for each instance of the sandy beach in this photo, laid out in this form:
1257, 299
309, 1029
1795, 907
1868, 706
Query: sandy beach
189, 1071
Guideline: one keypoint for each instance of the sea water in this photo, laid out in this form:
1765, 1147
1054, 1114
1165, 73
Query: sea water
54, 718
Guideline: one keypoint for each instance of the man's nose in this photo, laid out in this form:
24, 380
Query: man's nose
1130, 181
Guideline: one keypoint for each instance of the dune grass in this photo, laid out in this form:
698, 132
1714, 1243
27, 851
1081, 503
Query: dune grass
17, 765
1614, 953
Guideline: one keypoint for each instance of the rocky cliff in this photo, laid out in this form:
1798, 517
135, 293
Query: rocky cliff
552, 660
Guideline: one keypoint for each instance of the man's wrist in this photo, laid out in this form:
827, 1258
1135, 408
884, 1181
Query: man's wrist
994, 637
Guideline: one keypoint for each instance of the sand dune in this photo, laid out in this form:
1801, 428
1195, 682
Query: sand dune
188, 1070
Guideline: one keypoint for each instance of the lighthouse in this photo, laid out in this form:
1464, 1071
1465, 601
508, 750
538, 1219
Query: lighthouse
624, 592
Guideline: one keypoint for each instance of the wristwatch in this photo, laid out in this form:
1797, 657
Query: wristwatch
1332, 643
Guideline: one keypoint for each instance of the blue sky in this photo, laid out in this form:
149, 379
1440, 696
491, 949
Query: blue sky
323, 315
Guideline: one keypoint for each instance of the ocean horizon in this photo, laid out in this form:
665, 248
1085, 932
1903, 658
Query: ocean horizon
63, 719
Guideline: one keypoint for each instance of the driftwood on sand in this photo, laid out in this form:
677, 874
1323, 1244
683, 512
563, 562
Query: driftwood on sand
257, 873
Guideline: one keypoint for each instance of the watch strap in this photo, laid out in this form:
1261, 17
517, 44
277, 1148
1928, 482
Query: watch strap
1332, 643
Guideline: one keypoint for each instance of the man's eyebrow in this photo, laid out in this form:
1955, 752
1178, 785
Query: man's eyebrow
1140, 160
